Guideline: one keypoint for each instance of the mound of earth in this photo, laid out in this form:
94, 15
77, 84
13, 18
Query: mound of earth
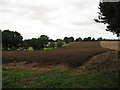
71, 56
106, 61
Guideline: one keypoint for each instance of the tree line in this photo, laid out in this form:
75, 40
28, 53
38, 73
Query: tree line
13, 40
109, 14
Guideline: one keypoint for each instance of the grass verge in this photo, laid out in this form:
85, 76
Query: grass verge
58, 79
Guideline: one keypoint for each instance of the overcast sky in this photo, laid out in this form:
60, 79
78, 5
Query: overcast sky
54, 18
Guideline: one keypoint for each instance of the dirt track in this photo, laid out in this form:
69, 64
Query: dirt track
72, 56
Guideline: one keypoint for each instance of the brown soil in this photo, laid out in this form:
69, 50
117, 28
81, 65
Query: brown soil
33, 66
71, 56
106, 61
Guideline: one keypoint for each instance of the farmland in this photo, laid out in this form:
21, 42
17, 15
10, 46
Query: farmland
57, 44
62, 67
72, 56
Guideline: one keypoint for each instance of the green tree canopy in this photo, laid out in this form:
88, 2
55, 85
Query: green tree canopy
110, 14
99, 39
11, 39
52, 44
59, 43
71, 39
38, 43
87, 39
93, 39
43, 39
68, 39
35, 44
78, 39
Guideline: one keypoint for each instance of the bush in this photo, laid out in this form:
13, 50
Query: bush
52, 45
59, 44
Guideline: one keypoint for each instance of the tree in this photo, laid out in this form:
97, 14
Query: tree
71, 39
39, 43
25, 44
99, 39
110, 14
87, 39
58, 40
51, 40
5, 39
66, 39
17, 40
104, 39
52, 45
93, 39
11, 39
78, 39
59, 44
35, 44
43, 40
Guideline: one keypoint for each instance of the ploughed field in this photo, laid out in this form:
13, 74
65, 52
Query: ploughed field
72, 56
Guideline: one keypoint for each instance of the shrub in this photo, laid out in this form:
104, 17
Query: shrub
59, 44
52, 45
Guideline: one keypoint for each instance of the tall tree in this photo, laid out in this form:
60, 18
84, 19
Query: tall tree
59, 43
71, 39
87, 39
78, 39
110, 14
99, 39
67, 40
52, 44
93, 39
35, 44
11, 39
43, 40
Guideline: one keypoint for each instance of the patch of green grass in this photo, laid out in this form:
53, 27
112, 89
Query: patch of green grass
10, 77
118, 54
69, 43
48, 48
58, 79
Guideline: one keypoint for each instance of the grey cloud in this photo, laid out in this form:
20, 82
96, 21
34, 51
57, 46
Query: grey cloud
110, 0
68, 17
84, 23
3, 2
